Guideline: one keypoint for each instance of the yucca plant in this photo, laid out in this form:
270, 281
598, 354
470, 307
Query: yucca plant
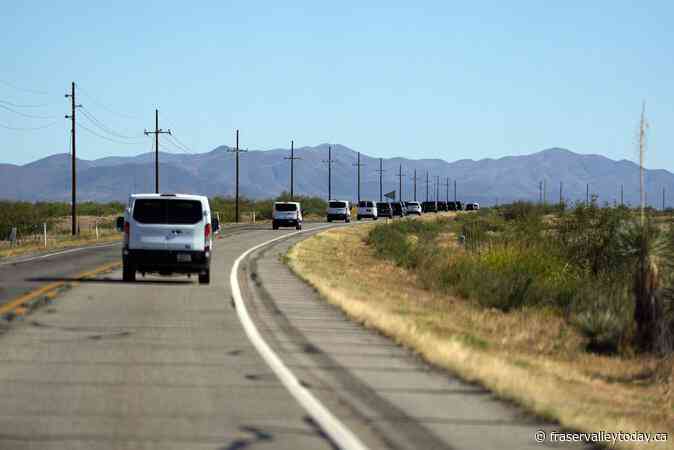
647, 250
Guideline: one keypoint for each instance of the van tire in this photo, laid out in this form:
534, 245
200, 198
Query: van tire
128, 273
298, 226
205, 278
274, 225
329, 220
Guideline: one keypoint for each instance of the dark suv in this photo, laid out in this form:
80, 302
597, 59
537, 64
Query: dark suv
442, 206
384, 209
397, 209
429, 207
454, 206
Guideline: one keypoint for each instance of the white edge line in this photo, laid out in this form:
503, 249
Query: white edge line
78, 249
332, 426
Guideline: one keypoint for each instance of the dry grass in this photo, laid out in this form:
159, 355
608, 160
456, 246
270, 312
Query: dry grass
532, 357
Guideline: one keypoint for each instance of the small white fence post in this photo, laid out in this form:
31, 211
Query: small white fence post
253, 216
44, 231
12, 237
96, 229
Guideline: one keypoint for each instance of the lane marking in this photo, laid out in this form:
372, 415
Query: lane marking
51, 287
332, 426
78, 249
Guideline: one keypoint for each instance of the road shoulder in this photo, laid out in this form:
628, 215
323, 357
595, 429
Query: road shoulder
385, 393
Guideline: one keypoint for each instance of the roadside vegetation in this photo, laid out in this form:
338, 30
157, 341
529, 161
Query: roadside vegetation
605, 271
539, 304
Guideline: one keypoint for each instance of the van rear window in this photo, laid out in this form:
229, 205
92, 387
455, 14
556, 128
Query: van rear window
337, 205
163, 211
285, 207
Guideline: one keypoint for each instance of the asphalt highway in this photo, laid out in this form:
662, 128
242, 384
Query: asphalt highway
165, 363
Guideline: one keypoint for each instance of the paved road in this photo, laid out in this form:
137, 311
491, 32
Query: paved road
165, 364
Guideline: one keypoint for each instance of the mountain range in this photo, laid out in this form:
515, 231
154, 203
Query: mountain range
265, 174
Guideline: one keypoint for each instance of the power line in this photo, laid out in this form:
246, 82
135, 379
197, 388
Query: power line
176, 142
106, 129
32, 91
90, 131
30, 116
8, 127
107, 108
16, 105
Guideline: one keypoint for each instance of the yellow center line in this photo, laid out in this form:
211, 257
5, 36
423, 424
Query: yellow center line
44, 290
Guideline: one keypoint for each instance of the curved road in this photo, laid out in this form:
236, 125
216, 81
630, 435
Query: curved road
166, 364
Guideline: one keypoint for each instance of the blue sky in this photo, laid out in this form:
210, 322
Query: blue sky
423, 80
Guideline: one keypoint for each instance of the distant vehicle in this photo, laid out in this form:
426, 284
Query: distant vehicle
472, 206
367, 209
451, 206
167, 234
429, 207
413, 208
442, 206
339, 210
286, 214
397, 208
459, 206
384, 209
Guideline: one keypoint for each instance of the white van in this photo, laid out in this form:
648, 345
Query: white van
286, 214
367, 208
166, 234
339, 210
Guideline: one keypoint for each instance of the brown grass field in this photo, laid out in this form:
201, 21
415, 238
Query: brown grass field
532, 357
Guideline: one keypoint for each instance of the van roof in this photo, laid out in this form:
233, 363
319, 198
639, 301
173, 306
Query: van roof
170, 195
287, 203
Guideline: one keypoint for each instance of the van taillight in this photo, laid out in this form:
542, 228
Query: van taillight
207, 232
126, 229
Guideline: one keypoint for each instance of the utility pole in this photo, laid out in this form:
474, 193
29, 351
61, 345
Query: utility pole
414, 179
329, 162
358, 164
427, 185
446, 185
540, 192
292, 159
157, 131
73, 206
454, 191
400, 181
663, 199
621, 195
381, 184
587, 194
237, 151
437, 188
561, 198
545, 192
